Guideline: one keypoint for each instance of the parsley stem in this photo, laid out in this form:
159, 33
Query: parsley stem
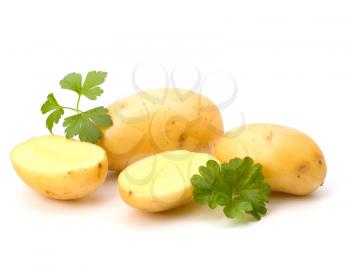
77, 107
72, 109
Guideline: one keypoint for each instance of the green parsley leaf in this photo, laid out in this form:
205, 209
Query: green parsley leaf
72, 81
237, 185
86, 124
49, 105
100, 116
92, 81
90, 88
237, 208
54, 118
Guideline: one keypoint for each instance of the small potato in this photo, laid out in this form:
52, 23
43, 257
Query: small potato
160, 120
292, 161
161, 182
60, 168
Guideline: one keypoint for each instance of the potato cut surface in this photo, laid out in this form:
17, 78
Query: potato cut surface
161, 181
56, 154
60, 168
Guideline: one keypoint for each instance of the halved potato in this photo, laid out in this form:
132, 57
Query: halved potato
161, 182
60, 168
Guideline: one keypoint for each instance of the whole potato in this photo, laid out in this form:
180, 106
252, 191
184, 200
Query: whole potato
159, 120
292, 161
60, 168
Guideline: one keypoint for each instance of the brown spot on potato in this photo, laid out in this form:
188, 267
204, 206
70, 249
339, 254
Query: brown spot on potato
130, 193
269, 136
51, 194
202, 148
298, 175
173, 122
181, 139
282, 189
320, 162
303, 168
99, 169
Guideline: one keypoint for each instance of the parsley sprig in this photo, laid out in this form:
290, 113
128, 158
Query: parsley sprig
238, 186
84, 124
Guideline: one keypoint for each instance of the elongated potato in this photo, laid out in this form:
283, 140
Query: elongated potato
292, 161
161, 182
160, 120
60, 168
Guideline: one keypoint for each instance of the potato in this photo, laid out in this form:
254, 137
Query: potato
161, 182
160, 120
60, 168
292, 161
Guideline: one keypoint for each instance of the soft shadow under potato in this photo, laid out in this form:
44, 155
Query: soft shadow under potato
105, 194
279, 200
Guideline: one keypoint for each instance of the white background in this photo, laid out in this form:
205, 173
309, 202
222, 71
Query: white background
291, 62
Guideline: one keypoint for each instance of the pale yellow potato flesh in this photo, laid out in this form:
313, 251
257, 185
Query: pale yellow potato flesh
160, 120
161, 182
293, 163
60, 168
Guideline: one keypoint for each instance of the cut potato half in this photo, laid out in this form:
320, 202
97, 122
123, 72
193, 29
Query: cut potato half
60, 168
161, 182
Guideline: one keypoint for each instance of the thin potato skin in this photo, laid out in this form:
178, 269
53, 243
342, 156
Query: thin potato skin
159, 120
293, 163
144, 203
68, 185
